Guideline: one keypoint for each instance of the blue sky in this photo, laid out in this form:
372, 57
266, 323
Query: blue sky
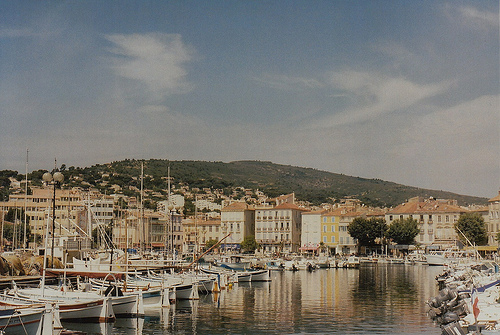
404, 91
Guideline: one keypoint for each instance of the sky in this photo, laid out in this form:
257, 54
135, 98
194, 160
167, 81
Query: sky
403, 91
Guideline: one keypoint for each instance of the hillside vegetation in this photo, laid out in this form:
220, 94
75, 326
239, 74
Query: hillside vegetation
308, 184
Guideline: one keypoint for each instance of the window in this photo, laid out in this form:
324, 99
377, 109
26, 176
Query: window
324, 239
324, 229
333, 229
324, 219
333, 239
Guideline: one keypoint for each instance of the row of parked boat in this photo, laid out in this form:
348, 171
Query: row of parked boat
102, 300
295, 263
469, 299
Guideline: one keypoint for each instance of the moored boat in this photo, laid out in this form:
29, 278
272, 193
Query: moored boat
21, 321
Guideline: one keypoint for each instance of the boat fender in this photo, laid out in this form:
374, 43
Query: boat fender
450, 317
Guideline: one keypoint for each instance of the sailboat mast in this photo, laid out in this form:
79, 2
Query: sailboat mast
141, 222
25, 199
170, 239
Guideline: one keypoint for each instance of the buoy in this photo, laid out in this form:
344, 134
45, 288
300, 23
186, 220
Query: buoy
216, 287
230, 286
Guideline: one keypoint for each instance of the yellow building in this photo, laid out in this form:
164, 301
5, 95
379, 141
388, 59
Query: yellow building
330, 229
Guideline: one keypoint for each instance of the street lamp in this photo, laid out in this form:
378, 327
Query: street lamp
55, 180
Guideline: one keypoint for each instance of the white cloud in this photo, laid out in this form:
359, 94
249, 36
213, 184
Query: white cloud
483, 19
157, 60
456, 147
375, 94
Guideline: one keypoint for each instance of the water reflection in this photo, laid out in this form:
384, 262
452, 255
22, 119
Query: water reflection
383, 299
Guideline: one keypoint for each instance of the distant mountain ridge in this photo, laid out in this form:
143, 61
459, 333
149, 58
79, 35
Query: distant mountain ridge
309, 184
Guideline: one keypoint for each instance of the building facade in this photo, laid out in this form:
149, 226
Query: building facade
279, 228
237, 219
311, 231
436, 219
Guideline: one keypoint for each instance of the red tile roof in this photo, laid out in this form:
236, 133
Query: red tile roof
497, 198
236, 206
431, 206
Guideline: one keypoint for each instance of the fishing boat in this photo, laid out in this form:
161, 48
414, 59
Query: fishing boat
73, 306
21, 321
233, 262
353, 262
260, 275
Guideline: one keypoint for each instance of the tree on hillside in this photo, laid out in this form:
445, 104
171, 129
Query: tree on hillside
367, 230
473, 227
403, 231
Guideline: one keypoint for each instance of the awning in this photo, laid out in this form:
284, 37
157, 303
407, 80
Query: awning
487, 248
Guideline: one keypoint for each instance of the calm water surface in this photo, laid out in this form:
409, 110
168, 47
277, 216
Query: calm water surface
380, 299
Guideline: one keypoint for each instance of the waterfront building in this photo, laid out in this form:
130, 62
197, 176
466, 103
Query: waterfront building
330, 228
197, 231
279, 228
238, 219
493, 220
311, 231
125, 230
77, 212
436, 219
348, 245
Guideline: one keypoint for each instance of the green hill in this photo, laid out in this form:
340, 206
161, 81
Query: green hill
273, 179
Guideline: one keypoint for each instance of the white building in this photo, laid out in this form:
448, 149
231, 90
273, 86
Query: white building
311, 230
238, 219
279, 228
436, 219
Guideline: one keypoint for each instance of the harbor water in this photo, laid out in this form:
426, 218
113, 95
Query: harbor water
374, 299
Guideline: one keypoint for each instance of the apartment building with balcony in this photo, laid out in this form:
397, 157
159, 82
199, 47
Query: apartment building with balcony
436, 219
311, 231
279, 228
237, 219
197, 231
493, 220
76, 211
